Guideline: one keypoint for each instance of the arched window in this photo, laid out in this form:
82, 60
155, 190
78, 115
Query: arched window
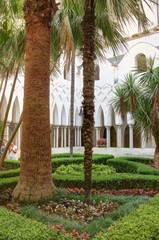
141, 62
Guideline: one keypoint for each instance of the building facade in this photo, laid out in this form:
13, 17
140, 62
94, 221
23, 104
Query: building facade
109, 73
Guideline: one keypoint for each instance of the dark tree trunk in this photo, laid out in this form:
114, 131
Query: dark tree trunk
72, 106
36, 169
88, 26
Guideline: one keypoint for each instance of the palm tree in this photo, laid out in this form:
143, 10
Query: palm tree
35, 180
139, 94
116, 14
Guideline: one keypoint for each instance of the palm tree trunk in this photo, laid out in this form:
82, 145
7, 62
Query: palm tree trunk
1, 84
72, 106
35, 180
88, 27
4, 89
8, 105
155, 133
9, 142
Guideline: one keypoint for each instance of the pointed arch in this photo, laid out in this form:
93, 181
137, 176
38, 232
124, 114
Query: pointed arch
55, 116
63, 117
99, 117
16, 111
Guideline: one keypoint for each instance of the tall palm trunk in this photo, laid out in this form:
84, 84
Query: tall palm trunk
88, 27
2, 80
8, 106
9, 142
36, 169
72, 106
4, 89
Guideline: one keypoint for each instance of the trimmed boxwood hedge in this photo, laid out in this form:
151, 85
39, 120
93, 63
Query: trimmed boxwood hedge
124, 165
10, 173
142, 224
145, 160
97, 158
113, 181
17, 227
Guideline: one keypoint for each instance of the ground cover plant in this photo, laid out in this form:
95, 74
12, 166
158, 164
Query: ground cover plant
66, 211
114, 195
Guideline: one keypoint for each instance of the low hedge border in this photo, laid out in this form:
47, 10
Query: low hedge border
142, 224
124, 165
17, 227
145, 160
11, 164
10, 173
97, 159
113, 181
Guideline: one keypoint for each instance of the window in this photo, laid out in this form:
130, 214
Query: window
141, 62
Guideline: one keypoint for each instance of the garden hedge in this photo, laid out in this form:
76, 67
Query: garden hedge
142, 224
124, 165
16, 227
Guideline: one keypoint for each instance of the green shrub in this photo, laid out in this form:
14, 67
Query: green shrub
124, 165
142, 224
78, 169
11, 164
113, 181
145, 160
16, 227
97, 158
9, 173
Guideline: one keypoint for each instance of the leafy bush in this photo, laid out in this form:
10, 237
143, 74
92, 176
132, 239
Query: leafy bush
124, 165
97, 158
10, 173
16, 227
78, 169
142, 224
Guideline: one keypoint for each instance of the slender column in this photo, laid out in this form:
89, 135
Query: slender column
108, 136
62, 137
119, 136
57, 137
143, 140
97, 135
80, 140
54, 137
69, 136
65, 137
131, 136
6, 134
51, 135
75, 132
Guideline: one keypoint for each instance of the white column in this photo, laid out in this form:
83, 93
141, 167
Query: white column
131, 136
143, 140
108, 136
62, 137
69, 137
119, 136
6, 134
65, 137
54, 137
57, 137
97, 135
75, 132
80, 143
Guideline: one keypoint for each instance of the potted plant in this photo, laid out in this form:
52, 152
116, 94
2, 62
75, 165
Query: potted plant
101, 142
